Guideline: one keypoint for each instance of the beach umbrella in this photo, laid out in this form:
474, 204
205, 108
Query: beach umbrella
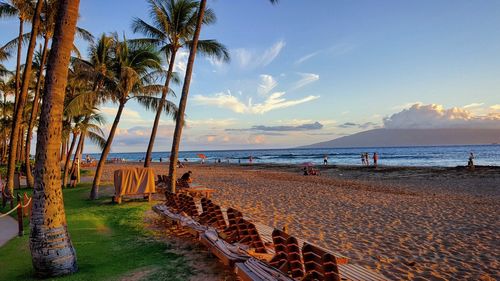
202, 156
308, 164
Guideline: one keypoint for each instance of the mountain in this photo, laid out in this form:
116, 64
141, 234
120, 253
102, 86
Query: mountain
413, 137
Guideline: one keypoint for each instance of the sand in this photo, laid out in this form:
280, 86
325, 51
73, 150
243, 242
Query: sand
406, 223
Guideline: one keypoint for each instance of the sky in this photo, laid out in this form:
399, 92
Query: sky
308, 71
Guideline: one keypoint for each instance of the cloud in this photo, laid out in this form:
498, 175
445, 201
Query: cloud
266, 85
473, 105
126, 113
272, 102
306, 78
306, 57
256, 139
303, 127
336, 50
181, 62
436, 116
365, 125
210, 123
252, 59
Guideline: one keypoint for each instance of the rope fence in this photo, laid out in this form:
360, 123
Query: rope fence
23, 208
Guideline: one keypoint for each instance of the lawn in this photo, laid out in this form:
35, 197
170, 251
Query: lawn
110, 242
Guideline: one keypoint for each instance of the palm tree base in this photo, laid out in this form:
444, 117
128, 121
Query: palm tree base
52, 252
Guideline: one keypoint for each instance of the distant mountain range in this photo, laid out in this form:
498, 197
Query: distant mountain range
413, 137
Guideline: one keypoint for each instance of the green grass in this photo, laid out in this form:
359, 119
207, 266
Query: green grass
110, 243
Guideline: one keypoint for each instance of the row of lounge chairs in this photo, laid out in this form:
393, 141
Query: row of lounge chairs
238, 244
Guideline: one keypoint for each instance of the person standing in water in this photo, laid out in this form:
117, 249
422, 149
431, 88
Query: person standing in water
363, 162
325, 160
367, 159
375, 159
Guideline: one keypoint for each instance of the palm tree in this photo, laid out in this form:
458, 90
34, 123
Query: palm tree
132, 69
172, 29
21, 100
23, 9
89, 125
174, 154
51, 248
7, 89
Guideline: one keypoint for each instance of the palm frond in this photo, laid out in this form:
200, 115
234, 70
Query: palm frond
152, 103
7, 10
12, 44
213, 49
84, 34
97, 139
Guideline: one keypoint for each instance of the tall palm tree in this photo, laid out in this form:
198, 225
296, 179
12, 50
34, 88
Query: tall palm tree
23, 9
132, 78
21, 100
173, 24
89, 124
51, 248
174, 154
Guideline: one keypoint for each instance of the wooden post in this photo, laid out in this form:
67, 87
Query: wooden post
17, 180
20, 215
26, 210
78, 170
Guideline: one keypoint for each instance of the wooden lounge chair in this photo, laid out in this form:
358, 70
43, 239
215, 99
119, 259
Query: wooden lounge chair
228, 254
212, 215
255, 270
231, 231
319, 265
249, 236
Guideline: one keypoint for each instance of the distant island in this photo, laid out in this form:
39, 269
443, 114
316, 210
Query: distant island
413, 137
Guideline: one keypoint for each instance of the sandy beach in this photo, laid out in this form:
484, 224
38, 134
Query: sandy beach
406, 223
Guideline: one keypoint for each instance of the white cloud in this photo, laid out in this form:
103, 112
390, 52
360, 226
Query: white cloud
210, 123
267, 84
306, 57
473, 105
126, 113
181, 62
271, 53
495, 107
306, 78
251, 59
436, 116
273, 102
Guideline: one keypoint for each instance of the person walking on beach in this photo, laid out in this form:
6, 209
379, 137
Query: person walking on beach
325, 160
375, 159
363, 162
471, 161
367, 159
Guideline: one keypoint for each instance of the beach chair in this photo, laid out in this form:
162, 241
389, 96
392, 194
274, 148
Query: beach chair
231, 231
255, 270
319, 265
249, 236
212, 215
228, 254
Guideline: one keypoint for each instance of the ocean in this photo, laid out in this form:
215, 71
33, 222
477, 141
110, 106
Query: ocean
441, 156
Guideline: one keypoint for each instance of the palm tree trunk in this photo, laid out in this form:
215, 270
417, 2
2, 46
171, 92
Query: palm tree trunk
94, 193
18, 60
34, 113
68, 157
174, 154
63, 151
51, 248
18, 115
164, 93
78, 151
